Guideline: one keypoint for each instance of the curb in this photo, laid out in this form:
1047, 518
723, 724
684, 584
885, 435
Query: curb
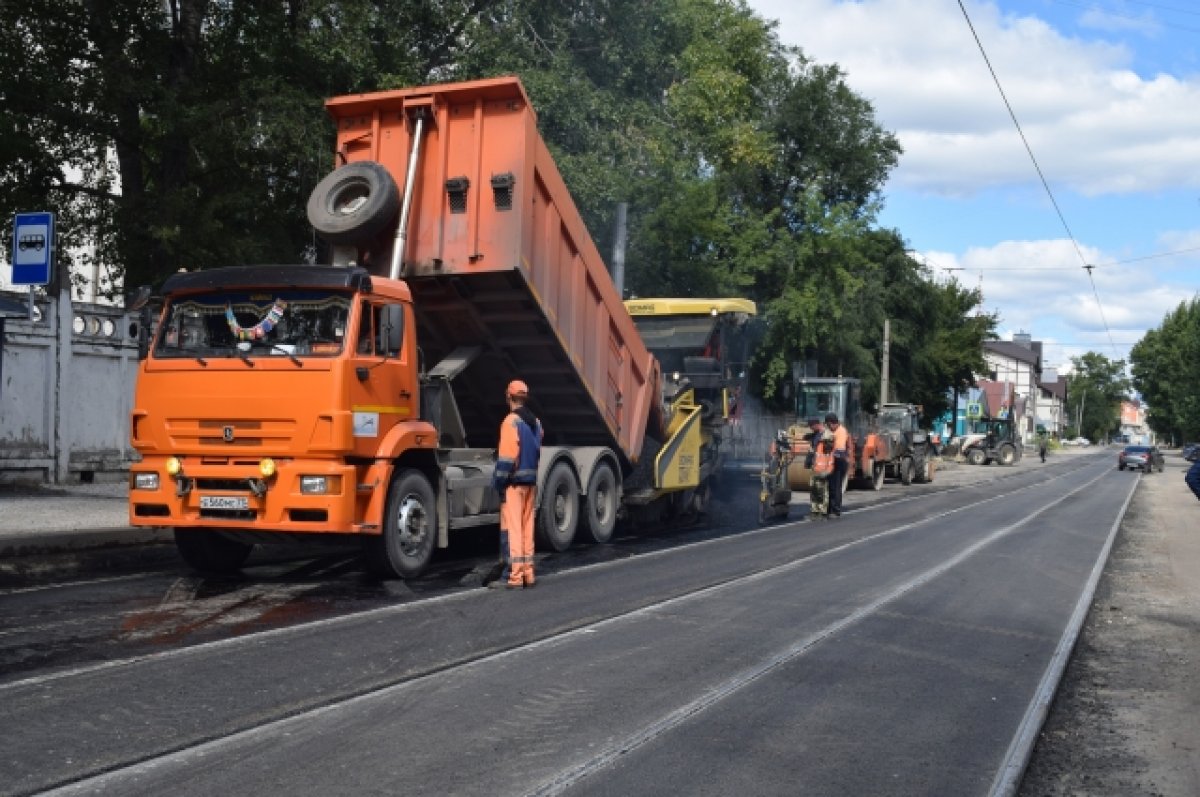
48, 542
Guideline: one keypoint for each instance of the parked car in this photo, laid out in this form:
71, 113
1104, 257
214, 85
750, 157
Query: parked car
1191, 452
1144, 458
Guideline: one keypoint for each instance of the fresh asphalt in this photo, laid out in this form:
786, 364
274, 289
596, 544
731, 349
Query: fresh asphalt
762, 662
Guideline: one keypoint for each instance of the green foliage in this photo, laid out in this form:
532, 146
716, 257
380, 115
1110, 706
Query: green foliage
1166, 371
189, 133
1095, 390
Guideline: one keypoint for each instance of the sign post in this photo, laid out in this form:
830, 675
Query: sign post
33, 251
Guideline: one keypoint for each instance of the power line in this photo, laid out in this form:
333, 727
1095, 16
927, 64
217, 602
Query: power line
1074, 243
1149, 257
1065, 268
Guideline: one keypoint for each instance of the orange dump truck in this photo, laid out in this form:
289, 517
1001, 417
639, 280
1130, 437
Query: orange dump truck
364, 397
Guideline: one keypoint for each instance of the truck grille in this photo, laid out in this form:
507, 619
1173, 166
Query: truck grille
229, 436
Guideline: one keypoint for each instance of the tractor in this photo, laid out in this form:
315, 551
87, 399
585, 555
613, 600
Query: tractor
992, 440
911, 454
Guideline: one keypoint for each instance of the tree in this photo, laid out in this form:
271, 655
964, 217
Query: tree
1166, 372
189, 133
1095, 390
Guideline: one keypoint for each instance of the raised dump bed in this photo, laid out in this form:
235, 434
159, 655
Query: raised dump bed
497, 256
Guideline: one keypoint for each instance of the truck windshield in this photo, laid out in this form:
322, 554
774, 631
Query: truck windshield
896, 420
275, 323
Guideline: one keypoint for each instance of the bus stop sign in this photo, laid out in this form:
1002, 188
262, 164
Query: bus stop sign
33, 248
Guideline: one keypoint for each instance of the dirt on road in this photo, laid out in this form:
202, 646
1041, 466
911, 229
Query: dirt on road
1126, 716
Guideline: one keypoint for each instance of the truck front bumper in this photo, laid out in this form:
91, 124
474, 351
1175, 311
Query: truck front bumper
297, 496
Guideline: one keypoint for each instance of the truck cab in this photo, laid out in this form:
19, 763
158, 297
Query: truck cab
277, 398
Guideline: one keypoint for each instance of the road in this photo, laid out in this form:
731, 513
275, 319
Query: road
910, 647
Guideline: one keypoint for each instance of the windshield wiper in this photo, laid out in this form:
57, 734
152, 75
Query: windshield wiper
291, 355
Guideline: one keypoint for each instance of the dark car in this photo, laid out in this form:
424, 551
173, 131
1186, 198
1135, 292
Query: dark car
1191, 452
1144, 458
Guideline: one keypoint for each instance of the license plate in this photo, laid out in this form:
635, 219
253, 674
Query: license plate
224, 502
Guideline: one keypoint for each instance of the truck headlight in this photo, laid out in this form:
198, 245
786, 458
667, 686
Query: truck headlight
320, 485
314, 485
145, 481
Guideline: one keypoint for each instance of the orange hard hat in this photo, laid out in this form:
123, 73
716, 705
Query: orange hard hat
517, 389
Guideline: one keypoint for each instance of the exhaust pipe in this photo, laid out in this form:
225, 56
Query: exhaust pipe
410, 180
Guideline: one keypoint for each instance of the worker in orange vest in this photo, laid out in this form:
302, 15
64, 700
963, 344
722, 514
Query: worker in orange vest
841, 463
515, 478
822, 469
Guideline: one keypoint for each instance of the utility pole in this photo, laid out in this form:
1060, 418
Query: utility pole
620, 231
887, 358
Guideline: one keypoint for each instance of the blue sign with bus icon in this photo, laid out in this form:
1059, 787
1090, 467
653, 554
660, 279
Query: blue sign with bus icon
33, 248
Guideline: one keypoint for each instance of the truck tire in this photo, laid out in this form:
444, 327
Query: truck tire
906, 470
409, 535
558, 515
1007, 455
601, 504
920, 467
210, 551
353, 203
976, 456
877, 472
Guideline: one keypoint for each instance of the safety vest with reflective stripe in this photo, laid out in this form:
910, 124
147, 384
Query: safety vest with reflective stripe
519, 451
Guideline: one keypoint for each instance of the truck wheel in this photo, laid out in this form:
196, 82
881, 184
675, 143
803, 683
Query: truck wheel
211, 551
353, 203
1007, 455
409, 528
558, 514
600, 514
976, 456
920, 468
877, 475
906, 470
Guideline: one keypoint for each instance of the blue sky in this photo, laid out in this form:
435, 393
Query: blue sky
1107, 93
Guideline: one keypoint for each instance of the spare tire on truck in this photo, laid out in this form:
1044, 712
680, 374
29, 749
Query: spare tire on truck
354, 203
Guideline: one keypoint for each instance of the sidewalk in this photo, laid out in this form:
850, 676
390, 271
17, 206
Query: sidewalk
39, 520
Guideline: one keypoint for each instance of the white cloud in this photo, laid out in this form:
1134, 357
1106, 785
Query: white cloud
1119, 150
1039, 287
920, 66
1098, 19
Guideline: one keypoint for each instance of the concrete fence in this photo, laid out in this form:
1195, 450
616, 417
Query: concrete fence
66, 390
